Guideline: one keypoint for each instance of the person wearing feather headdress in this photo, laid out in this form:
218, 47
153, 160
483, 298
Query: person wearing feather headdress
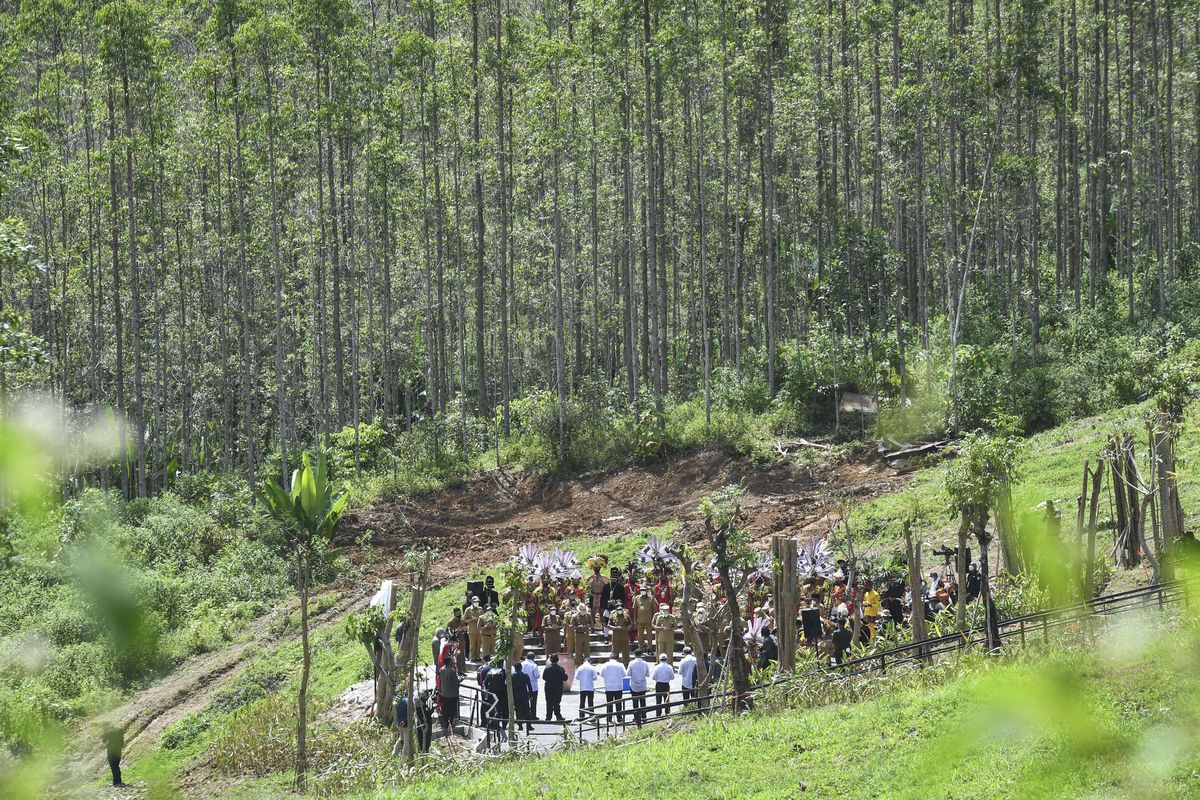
662, 588
614, 591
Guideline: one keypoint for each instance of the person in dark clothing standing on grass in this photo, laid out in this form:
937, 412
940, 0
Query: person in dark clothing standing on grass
554, 678
114, 743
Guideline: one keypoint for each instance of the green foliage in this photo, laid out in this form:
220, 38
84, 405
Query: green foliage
310, 512
986, 465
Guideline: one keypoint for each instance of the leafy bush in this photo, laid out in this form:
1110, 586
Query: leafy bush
184, 732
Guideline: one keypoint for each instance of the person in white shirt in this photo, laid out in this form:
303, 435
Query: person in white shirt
639, 673
687, 673
530, 668
613, 674
585, 679
663, 674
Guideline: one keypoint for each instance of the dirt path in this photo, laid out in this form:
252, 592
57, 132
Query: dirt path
189, 689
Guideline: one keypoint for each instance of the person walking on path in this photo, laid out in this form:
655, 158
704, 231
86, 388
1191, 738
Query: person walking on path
114, 745
554, 678
663, 674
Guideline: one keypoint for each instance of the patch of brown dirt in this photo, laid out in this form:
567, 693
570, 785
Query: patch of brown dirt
487, 518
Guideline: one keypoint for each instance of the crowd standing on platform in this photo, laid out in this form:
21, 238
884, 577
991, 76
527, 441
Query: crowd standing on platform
634, 617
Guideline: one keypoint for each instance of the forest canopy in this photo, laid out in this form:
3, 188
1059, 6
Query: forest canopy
243, 226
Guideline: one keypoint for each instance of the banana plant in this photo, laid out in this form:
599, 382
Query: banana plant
309, 513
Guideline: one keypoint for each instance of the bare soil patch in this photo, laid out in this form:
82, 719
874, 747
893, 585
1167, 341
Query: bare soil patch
486, 519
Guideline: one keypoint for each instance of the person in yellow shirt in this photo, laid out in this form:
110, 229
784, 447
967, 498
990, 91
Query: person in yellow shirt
872, 605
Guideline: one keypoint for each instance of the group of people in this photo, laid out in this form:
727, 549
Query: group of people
638, 619
614, 678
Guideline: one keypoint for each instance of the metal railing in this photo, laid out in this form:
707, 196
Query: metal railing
614, 717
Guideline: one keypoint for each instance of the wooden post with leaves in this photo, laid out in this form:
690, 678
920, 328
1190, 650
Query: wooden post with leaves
917, 619
689, 567
784, 553
417, 564
731, 547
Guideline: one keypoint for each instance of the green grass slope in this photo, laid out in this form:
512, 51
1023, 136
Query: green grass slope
1117, 722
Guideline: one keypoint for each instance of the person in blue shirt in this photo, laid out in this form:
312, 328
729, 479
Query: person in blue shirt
639, 673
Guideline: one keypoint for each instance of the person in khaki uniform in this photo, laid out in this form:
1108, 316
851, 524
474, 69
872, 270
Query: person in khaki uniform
704, 627
644, 609
618, 620
595, 587
664, 633
487, 633
472, 615
582, 622
552, 632
568, 622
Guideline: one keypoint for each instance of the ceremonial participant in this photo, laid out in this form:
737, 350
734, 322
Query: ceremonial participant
643, 614
595, 587
662, 589
614, 590
585, 682
583, 632
614, 676
487, 633
554, 678
664, 633
472, 615
618, 620
552, 627
664, 673
872, 604
490, 596
568, 618
577, 592
639, 674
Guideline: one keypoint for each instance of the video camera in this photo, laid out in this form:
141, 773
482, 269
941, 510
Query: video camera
950, 554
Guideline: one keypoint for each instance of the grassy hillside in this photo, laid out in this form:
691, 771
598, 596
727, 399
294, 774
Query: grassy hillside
1051, 469
1119, 720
